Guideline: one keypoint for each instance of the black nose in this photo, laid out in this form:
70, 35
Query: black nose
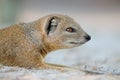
87, 37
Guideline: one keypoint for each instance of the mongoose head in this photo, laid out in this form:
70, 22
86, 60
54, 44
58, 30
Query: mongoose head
61, 31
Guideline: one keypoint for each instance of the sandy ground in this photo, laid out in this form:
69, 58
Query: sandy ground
16, 73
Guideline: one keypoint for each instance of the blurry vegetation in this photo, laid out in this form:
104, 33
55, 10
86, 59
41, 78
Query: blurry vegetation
8, 11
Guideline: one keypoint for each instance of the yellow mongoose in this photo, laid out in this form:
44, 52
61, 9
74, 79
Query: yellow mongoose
27, 44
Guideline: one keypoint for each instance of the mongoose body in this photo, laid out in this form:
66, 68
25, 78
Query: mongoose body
27, 44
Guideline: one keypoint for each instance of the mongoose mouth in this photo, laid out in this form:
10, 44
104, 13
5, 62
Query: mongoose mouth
76, 43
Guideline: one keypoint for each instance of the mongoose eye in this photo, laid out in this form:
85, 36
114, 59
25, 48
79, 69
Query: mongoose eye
70, 29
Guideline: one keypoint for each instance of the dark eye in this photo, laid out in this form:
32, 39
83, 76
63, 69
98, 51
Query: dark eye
70, 29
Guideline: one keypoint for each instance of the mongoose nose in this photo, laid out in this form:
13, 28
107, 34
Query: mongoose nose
87, 37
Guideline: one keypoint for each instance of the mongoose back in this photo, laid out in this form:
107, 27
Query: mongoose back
27, 44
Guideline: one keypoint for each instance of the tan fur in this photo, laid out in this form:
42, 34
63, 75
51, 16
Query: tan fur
27, 44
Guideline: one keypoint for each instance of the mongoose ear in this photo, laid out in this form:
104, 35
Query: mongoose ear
52, 25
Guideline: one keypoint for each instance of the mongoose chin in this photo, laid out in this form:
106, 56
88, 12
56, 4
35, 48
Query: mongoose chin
27, 44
